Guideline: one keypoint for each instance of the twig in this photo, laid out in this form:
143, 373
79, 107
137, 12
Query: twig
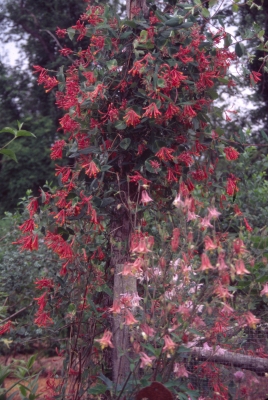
16, 313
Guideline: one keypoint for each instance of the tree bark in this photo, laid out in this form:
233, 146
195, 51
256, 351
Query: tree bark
120, 235
222, 356
136, 4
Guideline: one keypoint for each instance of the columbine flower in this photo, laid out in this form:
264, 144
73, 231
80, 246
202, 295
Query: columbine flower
221, 262
145, 198
239, 376
146, 361
251, 320
239, 246
129, 318
169, 344
264, 291
209, 244
205, 222
178, 202
105, 341
205, 263
240, 268
180, 371
213, 213
146, 331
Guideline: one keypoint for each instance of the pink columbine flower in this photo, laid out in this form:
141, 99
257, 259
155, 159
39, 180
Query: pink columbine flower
146, 361
221, 262
145, 198
105, 341
209, 244
205, 222
251, 320
169, 344
180, 371
264, 291
240, 268
129, 318
213, 213
178, 202
205, 263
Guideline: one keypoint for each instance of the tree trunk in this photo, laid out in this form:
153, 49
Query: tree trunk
120, 235
136, 5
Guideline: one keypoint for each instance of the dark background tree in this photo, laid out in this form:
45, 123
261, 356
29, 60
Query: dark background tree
32, 24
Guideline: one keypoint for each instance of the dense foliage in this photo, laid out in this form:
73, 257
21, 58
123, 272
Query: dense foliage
144, 222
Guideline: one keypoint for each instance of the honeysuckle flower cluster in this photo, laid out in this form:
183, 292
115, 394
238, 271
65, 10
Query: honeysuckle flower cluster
129, 206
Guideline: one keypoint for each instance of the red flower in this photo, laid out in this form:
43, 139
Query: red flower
65, 52
56, 149
5, 328
137, 177
165, 154
171, 111
44, 283
231, 187
255, 76
151, 111
231, 153
186, 157
61, 32
248, 227
131, 118
27, 226
91, 169
41, 301
43, 319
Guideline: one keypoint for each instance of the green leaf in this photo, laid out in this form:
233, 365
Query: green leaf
205, 13
71, 33
106, 202
239, 49
265, 137
227, 40
212, 94
9, 153
124, 144
24, 133
23, 390
105, 168
173, 22
235, 7
120, 125
111, 64
31, 361
71, 308
100, 388
9, 130
132, 24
